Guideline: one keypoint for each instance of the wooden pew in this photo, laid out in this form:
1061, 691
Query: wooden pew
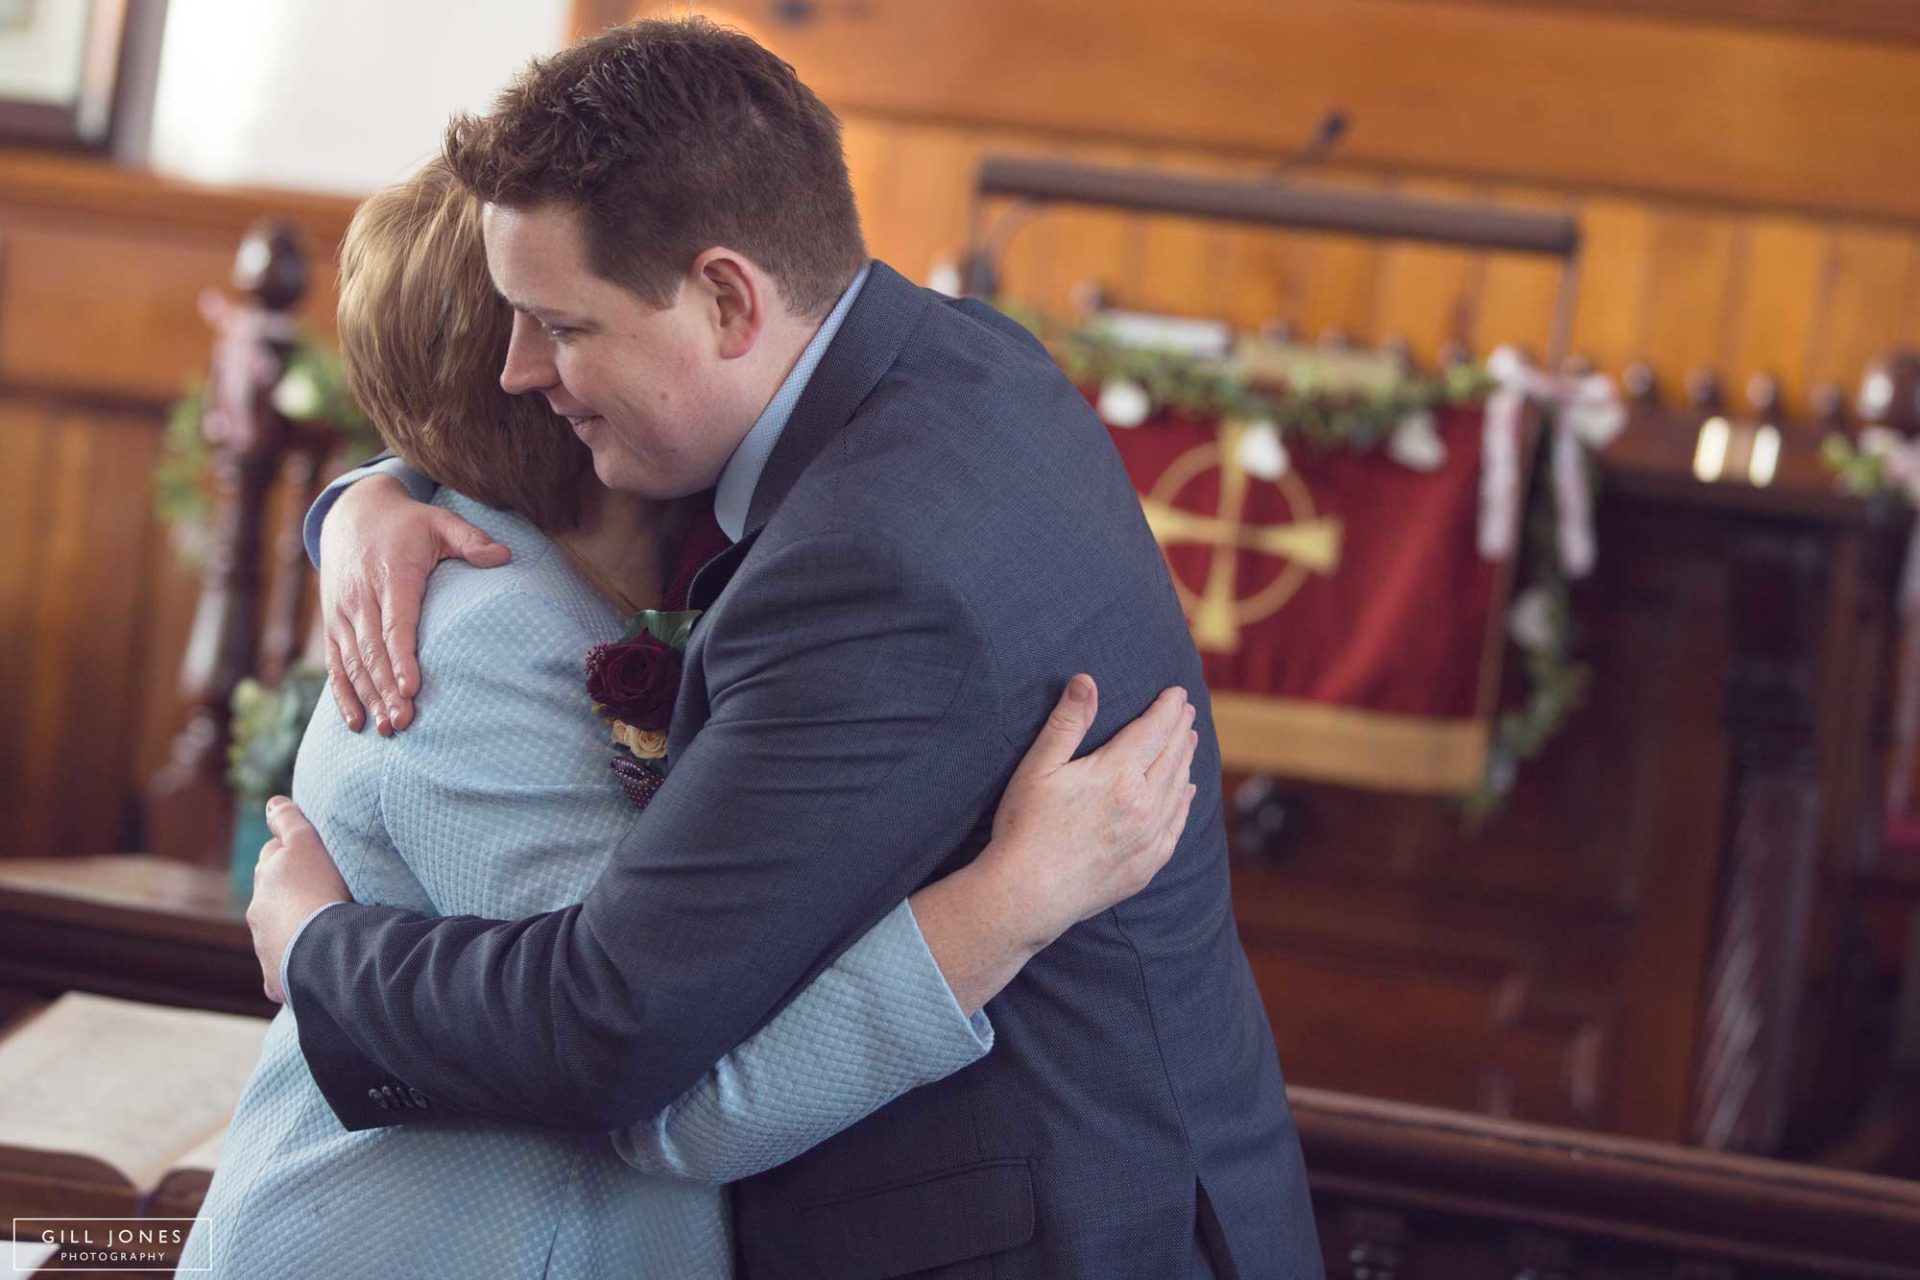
131, 926
1420, 1193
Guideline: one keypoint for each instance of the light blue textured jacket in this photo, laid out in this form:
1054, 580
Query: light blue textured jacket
498, 803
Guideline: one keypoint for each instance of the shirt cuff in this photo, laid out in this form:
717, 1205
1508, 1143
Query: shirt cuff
921, 972
286, 988
420, 488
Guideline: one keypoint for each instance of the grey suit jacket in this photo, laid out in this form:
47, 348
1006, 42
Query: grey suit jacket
942, 536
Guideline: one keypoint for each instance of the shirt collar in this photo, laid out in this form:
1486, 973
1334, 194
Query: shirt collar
734, 494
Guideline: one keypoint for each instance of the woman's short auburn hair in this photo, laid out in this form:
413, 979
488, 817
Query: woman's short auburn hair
423, 337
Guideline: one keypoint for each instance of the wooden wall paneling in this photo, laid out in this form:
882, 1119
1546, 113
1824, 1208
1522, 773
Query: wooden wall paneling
103, 312
1525, 985
864, 142
918, 179
1910, 327
1264, 277
1048, 252
1425, 294
1178, 266
81, 672
26, 446
1065, 248
1516, 295
1059, 248
1691, 290
1253, 272
173, 589
96, 312
1334, 281
1849, 19
1685, 286
56, 611
1869, 296
121, 602
67, 191
1783, 275
1718, 113
591, 17
1609, 324
1341, 286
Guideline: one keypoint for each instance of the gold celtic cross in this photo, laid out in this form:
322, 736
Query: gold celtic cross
1309, 544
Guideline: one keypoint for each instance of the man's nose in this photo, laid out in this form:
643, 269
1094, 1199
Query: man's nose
529, 364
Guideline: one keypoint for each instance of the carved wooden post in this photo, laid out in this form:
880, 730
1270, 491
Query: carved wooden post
189, 810
301, 475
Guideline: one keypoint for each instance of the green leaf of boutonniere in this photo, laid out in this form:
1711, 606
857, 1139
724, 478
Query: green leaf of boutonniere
670, 628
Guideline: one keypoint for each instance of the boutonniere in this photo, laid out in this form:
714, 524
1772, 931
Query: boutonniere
633, 683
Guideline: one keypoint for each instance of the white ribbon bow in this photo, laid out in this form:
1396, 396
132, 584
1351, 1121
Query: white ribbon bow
1585, 413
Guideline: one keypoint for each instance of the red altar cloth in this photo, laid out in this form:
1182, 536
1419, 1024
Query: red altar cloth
1346, 621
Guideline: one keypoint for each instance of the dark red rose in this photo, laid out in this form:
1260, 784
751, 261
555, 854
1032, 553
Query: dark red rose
636, 680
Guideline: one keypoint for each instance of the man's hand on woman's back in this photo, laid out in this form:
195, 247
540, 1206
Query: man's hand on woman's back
376, 549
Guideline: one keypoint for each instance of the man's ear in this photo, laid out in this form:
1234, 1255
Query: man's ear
740, 295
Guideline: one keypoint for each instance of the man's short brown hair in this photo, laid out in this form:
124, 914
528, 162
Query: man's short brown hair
423, 337
668, 138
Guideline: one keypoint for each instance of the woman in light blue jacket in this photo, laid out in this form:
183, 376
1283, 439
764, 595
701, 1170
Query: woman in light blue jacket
506, 756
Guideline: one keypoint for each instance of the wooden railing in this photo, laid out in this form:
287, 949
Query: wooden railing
1401, 1192
1420, 1193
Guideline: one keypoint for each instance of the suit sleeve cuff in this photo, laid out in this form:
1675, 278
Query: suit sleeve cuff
286, 957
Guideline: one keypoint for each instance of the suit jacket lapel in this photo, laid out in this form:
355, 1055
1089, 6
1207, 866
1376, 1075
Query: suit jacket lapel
869, 341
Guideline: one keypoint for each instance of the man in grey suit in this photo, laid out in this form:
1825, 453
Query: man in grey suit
932, 532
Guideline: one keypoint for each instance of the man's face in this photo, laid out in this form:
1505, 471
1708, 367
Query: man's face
648, 390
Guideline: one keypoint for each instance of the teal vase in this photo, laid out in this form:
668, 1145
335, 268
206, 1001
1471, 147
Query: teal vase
250, 831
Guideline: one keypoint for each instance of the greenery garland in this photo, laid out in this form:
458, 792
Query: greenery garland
1862, 469
1540, 625
1300, 411
1540, 619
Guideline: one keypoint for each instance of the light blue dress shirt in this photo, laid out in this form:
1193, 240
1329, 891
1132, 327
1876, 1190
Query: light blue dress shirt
741, 475
499, 802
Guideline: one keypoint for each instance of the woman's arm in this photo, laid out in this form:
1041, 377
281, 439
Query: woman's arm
1071, 838
900, 1008
502, 805
371, 663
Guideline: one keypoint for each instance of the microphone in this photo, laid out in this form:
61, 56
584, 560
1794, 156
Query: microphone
1333, 127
